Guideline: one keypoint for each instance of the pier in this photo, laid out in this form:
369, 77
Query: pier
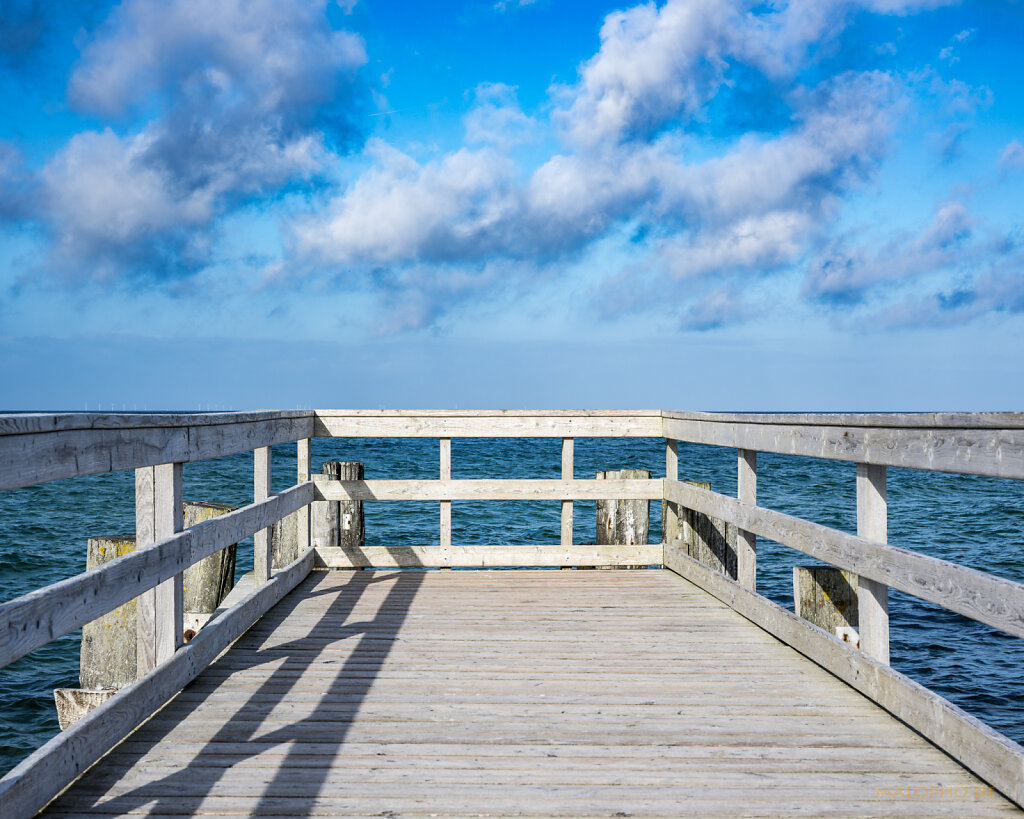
637, 681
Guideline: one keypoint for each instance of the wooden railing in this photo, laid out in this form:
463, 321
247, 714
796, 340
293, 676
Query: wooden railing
38, 448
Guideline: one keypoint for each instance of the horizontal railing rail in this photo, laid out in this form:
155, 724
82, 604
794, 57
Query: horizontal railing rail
488, 489
995, 601
42, 616
30, 453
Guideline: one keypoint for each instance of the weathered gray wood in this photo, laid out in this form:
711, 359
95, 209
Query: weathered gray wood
625, 521
445, 474
827, 598
74, 703
568, 474
351, 522
108, 655
873, 597
980, 596
992, 756
746, 542
975, 451
35, 619
325, 513
492, 556
207, 582
145, 603
38, 778
481, 424
486, 489
639, 723
708, 539
284, 541
32, 422
669, 510
261, 473
917, 420
32, 458
160, 609
302, 458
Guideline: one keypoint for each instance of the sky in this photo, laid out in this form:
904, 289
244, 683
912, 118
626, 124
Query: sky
689, 204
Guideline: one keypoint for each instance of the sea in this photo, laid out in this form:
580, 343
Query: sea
974, 521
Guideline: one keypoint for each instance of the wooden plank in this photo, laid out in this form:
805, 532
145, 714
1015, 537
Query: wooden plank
471, 556
917, 420
995, 758
872, 597
567, 475
160, 609
261, 491
487, 489
340, 702
669, 510
32, 458
146, 602
746, 542
32, 422
302, 474
445, 474
35, 619
975, 451
478, 425
488, 413
991, 600
38, 778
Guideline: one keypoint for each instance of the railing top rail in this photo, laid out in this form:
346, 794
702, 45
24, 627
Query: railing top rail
488, 413
36, 422
899, 420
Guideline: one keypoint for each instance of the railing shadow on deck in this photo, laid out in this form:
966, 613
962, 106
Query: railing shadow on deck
187, 787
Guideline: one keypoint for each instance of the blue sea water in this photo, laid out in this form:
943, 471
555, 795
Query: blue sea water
978, 522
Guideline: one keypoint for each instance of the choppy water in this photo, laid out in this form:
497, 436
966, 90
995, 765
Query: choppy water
978, 522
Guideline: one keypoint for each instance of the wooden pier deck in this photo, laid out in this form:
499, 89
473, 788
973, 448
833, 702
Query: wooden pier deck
520, 693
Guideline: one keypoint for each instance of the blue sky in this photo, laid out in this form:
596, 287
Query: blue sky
686, 204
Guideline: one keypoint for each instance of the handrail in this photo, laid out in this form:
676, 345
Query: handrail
992, 600
37, 618
32, 452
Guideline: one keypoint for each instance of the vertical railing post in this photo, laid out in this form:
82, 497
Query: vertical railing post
302, 475
872, 597
746, 542
446, 506
670, 510
160, 610
261, 491
567, 475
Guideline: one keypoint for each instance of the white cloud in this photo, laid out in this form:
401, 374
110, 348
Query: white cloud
238, 88
273, 55
1012, 155
496, 118
845, 274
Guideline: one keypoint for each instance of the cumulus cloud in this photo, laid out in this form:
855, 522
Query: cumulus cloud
844, 274
249, 97
751, 210
496, 118
660, 64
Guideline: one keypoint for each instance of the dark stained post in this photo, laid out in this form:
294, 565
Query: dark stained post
624, 522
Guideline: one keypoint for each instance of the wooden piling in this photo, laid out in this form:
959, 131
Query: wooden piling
623, 522
827, 598
207, 582
108, 655
337, 524
709, 540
